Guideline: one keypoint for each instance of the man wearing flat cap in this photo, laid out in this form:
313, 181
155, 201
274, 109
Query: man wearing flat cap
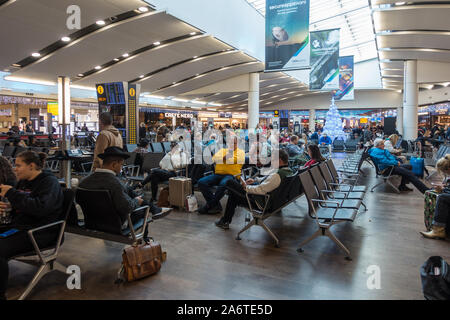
105, 178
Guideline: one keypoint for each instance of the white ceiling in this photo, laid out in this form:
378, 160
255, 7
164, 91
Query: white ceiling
27, 26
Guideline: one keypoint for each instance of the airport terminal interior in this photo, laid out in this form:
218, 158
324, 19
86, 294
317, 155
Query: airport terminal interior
224, 150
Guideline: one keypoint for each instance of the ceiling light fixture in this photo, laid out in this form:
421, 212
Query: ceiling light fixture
100, 22
36, 54
97, 67
81, 75
193, 33
157, 43
125, 55
141, 76
65, 39
116, 59
143, 9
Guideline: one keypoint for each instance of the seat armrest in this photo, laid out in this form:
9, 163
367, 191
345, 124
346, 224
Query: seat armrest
144, 225
208, 173
47, 226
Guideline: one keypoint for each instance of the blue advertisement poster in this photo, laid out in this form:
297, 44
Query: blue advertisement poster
324, 60
346, 79
287, 35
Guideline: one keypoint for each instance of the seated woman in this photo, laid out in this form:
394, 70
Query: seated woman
172, 161
442, 210
315, 155
36, 201
7, 175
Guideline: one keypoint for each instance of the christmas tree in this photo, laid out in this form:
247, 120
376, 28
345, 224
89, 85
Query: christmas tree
333, 123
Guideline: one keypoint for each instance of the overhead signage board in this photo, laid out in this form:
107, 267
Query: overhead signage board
324, 73
287, 35
52, 107
346, 79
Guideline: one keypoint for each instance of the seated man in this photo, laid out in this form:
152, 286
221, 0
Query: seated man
228, 164
293, 149
385, 159
262, 187
325, 140
124, 199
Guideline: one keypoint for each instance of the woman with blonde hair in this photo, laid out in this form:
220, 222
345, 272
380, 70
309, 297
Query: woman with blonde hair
442, 211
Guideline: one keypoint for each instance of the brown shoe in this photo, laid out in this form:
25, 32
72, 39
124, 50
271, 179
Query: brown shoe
435, 233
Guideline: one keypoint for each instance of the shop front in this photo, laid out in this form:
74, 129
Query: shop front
223, 119
438, 114
172, 118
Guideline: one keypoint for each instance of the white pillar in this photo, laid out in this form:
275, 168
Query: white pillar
253, 101
400, 120
312, 119
64, 121
410, 101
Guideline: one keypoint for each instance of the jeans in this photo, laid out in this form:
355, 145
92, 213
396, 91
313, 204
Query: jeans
408, 176
16, 244
205, 184
442, 210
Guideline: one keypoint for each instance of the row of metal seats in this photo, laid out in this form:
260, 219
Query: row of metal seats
331, 199
163, 147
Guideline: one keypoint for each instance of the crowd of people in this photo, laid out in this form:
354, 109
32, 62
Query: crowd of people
34, 195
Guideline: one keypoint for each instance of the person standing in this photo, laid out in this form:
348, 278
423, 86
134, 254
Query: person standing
109, 136
29, 127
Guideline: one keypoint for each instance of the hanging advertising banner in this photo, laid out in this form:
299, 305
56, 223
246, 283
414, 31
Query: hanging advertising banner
346, 79
324, 73
287, 35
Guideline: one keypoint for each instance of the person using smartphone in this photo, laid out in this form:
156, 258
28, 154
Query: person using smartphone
37, 200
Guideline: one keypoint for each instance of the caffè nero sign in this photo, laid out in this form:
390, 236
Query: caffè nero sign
178, 115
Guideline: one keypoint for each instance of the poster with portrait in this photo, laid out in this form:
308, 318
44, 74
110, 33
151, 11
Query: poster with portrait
346, 79
287, 35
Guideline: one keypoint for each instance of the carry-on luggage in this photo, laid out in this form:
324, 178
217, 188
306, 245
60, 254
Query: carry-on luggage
418, 166
435, 276
179, 189
142, 260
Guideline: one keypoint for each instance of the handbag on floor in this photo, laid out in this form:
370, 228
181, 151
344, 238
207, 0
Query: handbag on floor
435, 276
191, 203
163, 200
142, 260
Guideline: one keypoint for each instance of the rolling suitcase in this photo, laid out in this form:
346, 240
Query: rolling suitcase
418, 166
179, 189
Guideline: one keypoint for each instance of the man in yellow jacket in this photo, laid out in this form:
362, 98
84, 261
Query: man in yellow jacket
229, 163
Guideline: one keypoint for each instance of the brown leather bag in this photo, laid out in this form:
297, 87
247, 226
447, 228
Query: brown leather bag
142, 260
163, 200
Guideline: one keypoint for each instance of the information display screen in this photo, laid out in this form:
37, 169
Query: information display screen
115, 93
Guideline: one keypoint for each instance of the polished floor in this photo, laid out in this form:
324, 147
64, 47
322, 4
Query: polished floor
205, 262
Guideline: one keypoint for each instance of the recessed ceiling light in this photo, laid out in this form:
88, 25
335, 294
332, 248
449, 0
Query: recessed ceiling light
157, 43
141, 76
116, 59
98, 67
16, 65
100, 22
197, 74
193, 33
194, 57
81, 75
173, 82
65, 39
125, 55
143, 9
36, 54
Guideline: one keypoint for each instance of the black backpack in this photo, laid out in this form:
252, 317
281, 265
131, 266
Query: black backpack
435, 275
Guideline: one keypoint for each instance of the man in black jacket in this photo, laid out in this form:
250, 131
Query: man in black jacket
124, 199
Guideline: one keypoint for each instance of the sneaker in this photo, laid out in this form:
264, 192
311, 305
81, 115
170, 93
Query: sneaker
404, 188
222, 224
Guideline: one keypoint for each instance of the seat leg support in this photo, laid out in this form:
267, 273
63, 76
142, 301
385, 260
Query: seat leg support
43, 270
248, 226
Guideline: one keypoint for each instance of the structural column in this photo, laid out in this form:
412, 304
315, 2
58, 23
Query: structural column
399, 121
312, 120
64, 121
253, 101
410, 101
